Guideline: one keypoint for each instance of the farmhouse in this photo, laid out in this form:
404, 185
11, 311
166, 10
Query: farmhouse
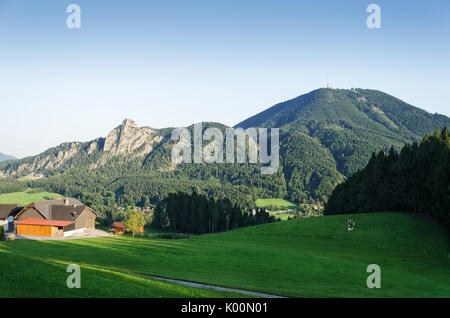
7, 213
55, 218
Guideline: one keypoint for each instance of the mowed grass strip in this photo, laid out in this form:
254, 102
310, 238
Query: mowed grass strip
25, 198
274, 202
314, 257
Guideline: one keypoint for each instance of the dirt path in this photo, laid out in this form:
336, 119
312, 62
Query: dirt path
206, 286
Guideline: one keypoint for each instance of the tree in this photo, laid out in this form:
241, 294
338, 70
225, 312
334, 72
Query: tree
196, 213
145, 201
133, 221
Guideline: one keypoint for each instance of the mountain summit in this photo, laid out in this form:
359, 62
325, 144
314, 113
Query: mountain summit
367, 109
128, 137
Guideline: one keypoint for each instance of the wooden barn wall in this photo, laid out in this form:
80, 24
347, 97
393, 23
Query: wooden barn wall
86, 219
69, 227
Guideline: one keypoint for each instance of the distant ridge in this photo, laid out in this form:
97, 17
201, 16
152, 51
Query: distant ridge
4, 157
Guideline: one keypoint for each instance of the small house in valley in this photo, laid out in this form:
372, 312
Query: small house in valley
119, 228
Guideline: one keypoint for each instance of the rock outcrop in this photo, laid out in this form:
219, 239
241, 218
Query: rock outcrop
126, 140
129, 137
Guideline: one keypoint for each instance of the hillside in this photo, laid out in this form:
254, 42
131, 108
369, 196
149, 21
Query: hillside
350, 124
415, 179
326, 135
315, 257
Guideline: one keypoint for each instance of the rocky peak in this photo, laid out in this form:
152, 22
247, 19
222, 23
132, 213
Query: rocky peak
129, 123
128, 137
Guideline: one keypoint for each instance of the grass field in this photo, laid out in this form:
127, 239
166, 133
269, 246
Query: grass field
312, 257
280, 203
24, 198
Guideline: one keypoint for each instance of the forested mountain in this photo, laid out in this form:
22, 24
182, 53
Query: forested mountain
325, 136
350, 123
4, 157
328, 134
416, 179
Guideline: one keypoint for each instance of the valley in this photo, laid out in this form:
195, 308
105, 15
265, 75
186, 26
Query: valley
325, 137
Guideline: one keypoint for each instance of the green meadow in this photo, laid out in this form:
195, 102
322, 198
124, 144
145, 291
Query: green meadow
274, 202
25, 198
310, 257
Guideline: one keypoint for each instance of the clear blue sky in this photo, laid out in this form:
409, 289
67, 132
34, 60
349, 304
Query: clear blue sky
172, 63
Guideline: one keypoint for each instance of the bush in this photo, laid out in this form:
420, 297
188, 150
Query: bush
133, 221
2, 233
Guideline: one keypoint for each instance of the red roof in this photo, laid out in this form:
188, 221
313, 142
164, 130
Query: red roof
117, 224
31, 221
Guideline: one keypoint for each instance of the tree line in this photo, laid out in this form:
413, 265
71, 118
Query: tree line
196, 213
417, 179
